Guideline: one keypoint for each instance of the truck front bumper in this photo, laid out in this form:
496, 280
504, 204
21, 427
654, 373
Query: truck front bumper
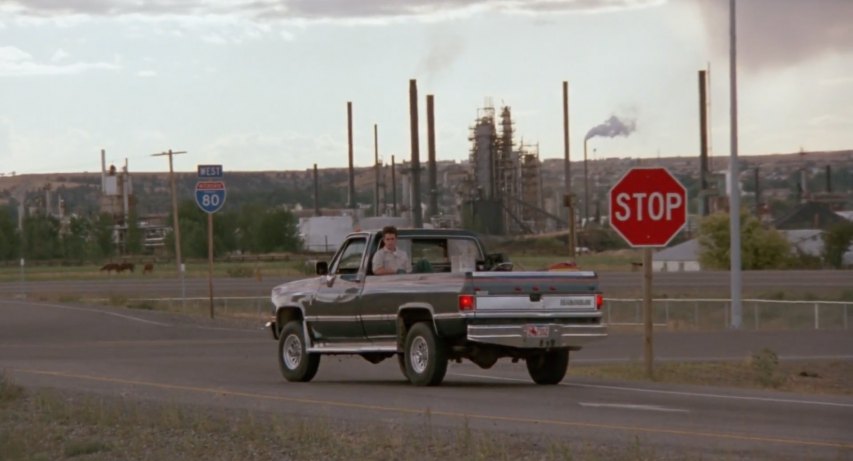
537, 335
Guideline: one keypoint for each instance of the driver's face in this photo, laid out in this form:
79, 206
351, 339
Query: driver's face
390, 241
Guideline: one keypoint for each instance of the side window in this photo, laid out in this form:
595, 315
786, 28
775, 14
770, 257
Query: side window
349, 261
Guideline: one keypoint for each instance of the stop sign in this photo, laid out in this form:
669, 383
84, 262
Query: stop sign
648, 206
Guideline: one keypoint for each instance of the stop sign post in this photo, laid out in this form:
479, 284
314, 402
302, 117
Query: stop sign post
648, 207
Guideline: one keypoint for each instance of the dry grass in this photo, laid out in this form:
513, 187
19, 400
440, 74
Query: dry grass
45, 425
759, 371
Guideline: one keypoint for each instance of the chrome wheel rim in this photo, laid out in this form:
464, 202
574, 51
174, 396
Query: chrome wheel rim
419, 355
292, 352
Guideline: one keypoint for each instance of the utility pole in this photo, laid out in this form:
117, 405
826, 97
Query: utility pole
179, 261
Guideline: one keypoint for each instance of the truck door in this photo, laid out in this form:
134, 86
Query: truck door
333, 315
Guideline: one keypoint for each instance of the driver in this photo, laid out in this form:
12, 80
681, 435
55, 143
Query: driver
389, 259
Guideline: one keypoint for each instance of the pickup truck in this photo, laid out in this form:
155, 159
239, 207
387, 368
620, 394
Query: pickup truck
458, 302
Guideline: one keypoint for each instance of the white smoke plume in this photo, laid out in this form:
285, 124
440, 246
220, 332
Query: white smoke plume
611, 128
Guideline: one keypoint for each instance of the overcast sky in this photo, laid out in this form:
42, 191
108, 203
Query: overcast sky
263, 84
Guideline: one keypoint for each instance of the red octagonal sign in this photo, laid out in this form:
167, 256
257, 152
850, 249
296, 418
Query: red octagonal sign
648, 206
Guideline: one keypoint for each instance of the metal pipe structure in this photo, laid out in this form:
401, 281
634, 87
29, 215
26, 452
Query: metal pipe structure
417, 214
316, 192
567, 171
585, 185
376, 170
432, 169
351, 190
394, 185
703, 145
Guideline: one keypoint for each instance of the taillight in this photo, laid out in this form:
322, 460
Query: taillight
467, 302
599, 301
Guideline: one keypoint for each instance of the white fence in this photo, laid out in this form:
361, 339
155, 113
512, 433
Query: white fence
698, 313
710, 313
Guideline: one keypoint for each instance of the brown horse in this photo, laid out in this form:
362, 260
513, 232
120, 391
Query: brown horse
149, 268
109, 267
125, 266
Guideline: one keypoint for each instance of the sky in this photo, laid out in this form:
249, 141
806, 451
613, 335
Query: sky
264, 84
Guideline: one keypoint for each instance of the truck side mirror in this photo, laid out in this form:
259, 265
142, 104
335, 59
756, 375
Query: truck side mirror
321, 267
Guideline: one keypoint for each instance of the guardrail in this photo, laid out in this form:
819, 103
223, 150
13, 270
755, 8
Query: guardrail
714, 313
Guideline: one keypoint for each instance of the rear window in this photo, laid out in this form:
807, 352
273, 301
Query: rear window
441, 254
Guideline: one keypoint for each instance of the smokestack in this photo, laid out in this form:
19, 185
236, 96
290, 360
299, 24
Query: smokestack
393, 185
585, 184
125, 191
804, 186
351, 191
703, 143
433, 180
316, 192
376, 170
829, 179
103, 170
417, 214
567, 171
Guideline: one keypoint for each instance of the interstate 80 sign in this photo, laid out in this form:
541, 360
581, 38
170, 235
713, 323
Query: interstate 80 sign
210, 194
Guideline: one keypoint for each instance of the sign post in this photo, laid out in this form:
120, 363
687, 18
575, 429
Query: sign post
648, 207
210, 196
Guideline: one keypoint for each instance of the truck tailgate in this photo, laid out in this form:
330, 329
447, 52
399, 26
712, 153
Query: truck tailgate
529, 293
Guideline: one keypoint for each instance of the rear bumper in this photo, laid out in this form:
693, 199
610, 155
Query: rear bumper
537, 335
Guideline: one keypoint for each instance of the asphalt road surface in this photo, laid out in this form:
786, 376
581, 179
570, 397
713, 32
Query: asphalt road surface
706, 283
167, 357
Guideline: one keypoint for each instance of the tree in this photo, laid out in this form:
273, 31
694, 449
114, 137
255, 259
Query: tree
41, 237
836, 242
276, 230
9, 239
74, 243
761, 248
134, 237
100, 240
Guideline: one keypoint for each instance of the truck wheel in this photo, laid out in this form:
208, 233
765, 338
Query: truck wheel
548, 367
425, 356
295, 362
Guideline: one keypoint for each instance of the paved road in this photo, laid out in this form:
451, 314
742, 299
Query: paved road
709, 283
155, 355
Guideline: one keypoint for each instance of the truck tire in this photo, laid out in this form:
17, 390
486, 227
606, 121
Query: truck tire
425, 356
296, 363
548, 367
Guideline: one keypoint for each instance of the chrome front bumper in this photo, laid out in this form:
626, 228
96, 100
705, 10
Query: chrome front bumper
537, 335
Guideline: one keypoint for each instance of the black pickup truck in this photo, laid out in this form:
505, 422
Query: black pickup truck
457, 302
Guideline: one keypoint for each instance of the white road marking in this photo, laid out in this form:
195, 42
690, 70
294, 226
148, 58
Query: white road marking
96, 311
629, 406
666, 392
